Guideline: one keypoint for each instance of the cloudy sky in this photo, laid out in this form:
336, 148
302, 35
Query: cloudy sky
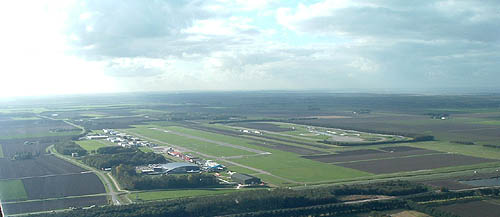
67, 46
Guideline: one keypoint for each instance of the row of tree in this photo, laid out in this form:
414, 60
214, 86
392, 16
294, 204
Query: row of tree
264, 202
67, 147
390, 188
134, 157
129, 179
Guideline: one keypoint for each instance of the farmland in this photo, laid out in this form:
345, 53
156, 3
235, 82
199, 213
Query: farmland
18, 129
282, 141
12, 190
56, 204
39, 182
474, 208
415, 163
56, 186
41, 166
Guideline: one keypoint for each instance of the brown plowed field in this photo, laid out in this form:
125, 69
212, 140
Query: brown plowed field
473, 209
370, 154
39, 166
414, 163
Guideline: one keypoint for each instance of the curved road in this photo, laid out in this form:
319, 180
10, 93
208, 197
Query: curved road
103, 177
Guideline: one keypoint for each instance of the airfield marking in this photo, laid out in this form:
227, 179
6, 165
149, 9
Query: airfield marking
218, 158
212, 141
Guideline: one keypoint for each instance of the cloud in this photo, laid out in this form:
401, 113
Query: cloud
423, 20
227, 45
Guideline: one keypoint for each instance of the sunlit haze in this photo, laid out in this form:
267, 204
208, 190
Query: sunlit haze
74, 47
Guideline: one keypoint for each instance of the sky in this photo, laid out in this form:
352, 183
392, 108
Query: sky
105, 46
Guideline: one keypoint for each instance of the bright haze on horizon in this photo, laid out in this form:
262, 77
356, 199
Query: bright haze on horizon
73, 47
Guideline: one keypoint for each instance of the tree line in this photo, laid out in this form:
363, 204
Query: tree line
133, 157
129, 179
67, 147
265, 202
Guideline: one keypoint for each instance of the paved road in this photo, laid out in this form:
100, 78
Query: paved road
112, 192
211, 156
212, 141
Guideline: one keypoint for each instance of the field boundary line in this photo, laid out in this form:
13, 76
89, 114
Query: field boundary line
388, 158
108, 185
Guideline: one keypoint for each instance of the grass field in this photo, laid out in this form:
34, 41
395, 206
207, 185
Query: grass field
12, 190
193, 144
471, 150
145, 149
1, 151
92, 145
214, 136
169, 194
298, 169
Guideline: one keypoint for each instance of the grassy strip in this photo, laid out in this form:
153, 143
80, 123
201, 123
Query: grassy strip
193, 144
1, 151
12, 190
299, 169
145, 149
99, 174
170, 194
92, 145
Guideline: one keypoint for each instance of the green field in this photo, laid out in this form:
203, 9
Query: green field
145, 149
283, 164
291, 166
12, 190
491, 122
1, 151
169, 194
193, 144
92, 145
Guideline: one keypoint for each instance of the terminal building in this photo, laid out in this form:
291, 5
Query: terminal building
245, 179
177, 168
